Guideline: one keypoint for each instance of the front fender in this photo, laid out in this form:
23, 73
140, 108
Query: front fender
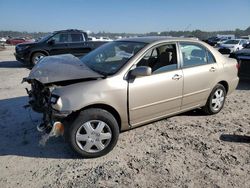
109, 91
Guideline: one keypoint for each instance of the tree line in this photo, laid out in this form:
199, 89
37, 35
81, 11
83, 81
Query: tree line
195, 33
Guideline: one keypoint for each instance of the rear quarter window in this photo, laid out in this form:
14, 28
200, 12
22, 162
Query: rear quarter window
210, 57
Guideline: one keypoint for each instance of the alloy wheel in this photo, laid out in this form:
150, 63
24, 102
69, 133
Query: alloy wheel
93, 136
218, 99
37, 58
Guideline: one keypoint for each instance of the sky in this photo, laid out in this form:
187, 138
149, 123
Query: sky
130, 16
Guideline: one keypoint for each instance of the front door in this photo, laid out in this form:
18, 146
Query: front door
155, 96
78, 46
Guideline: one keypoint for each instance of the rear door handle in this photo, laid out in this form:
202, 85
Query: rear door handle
212, 69
177, 77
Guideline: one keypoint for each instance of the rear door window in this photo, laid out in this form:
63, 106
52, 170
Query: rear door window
76, 37
195, 55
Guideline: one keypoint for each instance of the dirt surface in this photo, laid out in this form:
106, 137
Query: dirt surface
188, 150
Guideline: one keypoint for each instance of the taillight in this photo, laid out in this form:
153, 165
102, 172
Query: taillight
238, 66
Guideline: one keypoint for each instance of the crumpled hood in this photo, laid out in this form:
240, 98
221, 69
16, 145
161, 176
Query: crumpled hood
61, 68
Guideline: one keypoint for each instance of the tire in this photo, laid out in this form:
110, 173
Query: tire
94, 133
216, 100
36, 57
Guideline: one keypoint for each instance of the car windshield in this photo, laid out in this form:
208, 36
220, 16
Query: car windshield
231, 42
110, 57
44, 38
247, 46
212, 38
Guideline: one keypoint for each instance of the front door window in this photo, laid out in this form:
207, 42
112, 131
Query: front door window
160, 59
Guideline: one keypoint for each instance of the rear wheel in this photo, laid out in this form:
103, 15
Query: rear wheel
36, 57
94, 133
216, 100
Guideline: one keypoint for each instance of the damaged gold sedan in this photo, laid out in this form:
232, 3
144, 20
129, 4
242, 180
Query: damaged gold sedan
125, 84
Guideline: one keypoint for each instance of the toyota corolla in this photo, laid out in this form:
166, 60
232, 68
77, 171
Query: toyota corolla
125, 84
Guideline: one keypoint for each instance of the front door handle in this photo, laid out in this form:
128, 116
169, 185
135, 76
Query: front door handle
212, 69
177, 77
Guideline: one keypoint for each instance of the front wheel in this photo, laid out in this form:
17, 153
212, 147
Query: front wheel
94, 133
36, 57
215, 100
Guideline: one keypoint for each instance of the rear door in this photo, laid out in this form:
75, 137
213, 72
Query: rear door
155, 96
200, 71
78, 45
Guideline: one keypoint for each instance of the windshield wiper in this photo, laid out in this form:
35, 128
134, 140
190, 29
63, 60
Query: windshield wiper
105, 74
99, 72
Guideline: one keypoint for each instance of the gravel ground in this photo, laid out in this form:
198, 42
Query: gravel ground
188, 150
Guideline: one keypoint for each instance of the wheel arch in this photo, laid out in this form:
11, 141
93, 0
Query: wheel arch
225, 84
108, 108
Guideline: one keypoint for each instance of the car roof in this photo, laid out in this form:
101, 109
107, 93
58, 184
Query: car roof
152, 39
70, 30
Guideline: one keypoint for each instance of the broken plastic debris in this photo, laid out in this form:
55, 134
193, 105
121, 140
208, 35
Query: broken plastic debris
57, 130
44, 139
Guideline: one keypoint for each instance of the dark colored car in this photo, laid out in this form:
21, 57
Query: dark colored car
15, 41
71, 41
212, 41
243, 58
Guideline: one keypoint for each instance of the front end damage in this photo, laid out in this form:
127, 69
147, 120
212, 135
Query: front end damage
50, 74
42, 100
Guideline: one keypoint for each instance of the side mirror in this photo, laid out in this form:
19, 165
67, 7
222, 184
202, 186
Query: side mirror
141, 71
51, 42
244, 45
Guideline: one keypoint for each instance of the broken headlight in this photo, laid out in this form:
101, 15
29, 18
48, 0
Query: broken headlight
56, 102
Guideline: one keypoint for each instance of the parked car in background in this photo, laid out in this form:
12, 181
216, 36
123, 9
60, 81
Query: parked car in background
90, 38
59, 42
221, 41
232, 45
125, 84
245, 37
15, 41
226, 36
212, 41
2, 40
243, 58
